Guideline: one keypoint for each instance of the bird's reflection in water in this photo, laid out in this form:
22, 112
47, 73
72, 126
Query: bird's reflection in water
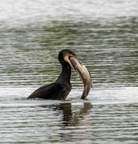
72, 115
67, 112
72, 118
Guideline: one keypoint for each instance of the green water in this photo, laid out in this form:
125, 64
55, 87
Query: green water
103, 35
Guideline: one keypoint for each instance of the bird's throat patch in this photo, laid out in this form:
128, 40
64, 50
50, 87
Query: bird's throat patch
67, 58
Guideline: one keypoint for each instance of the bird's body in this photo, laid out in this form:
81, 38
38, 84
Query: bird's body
60, 89
56, 91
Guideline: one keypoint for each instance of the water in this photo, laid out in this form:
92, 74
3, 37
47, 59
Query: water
104, 35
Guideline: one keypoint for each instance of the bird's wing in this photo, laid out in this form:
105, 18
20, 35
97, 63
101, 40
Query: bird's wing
48, 91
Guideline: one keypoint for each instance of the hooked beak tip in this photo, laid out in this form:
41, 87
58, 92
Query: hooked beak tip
68, 59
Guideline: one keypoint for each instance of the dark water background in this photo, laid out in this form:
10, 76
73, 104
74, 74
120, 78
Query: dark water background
104, 35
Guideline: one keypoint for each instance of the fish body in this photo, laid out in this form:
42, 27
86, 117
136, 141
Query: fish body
84, 75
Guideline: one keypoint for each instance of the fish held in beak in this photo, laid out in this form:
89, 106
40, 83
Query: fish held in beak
84, 75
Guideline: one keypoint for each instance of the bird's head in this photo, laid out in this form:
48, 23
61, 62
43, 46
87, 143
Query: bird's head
65, 55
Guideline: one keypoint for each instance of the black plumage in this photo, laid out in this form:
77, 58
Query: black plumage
62, 86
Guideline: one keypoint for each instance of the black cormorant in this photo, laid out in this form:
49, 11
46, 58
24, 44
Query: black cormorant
60, 89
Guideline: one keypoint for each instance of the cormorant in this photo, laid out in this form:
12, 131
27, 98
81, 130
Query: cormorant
60, 89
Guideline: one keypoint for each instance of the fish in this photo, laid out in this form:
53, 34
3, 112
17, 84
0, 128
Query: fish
84, 75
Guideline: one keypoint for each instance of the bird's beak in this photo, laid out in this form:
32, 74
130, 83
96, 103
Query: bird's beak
83, 72
67, 59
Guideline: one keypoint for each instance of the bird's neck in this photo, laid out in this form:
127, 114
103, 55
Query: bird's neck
65, 73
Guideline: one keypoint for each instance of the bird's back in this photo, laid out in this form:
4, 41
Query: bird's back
56, 91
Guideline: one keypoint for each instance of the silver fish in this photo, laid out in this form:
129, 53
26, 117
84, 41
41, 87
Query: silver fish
84, 75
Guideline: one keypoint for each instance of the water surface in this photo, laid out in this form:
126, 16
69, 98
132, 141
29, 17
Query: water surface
104, 35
